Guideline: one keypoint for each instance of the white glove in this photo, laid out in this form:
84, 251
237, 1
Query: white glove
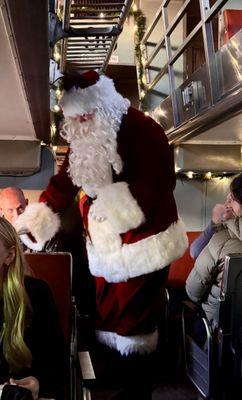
39, 220
96, 212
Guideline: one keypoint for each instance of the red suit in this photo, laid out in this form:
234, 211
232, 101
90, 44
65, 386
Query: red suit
140, 236
123, 160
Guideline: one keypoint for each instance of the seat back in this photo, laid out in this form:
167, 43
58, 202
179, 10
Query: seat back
230, 301
56, 270
198, 360
217, 366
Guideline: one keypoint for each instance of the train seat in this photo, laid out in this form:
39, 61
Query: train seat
215, 366
56, 270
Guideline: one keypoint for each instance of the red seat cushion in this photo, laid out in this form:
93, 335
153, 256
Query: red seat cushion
232, 23
180, 269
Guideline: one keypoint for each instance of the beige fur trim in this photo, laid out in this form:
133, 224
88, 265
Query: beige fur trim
119, 207
117, 262
39, 220
141, 344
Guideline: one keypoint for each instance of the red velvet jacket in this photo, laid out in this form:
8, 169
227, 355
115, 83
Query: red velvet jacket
139, 237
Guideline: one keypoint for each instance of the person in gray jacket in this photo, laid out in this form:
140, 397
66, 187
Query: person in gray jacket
204, 281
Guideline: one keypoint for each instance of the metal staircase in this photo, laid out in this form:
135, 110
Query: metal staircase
93, 27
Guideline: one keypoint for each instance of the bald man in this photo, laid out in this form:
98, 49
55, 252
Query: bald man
12, 203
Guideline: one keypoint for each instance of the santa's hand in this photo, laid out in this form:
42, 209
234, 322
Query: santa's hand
36, 225
96, 212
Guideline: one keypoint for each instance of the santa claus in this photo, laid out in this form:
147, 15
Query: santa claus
123, 164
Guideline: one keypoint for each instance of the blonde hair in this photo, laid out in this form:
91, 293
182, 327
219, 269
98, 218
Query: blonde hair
15, 302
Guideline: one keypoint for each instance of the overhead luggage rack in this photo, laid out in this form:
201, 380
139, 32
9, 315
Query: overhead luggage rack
93, 27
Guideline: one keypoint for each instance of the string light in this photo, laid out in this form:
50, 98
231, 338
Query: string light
208, 175
56, 108
57, 56
139, 31
52, 130
58, 92
204, 176
143, 60
143, 80
142, 94
190, 174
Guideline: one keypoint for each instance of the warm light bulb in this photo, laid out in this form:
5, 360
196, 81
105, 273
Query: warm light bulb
143, 60
53, 129
142, 94
208, 175
134, 8
56, 108
143, 80
58, 92
190, 174
57, 56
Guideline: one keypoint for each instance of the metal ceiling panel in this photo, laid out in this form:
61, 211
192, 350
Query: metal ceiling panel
203, 158
16, 121
24, 94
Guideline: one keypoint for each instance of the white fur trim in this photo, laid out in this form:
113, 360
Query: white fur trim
39, 220
79, 101
119, 207
141, 344
117, 262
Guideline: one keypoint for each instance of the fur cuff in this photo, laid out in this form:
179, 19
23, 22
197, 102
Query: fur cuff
141, 344
40, 221
119, 207
117, 262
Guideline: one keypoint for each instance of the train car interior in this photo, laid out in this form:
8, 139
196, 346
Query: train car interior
180, 62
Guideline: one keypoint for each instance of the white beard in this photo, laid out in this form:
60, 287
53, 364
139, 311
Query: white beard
93, 151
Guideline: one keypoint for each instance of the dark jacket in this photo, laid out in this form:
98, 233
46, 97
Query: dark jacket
45, 339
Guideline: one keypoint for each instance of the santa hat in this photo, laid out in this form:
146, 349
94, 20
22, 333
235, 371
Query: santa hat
85, 93
82, 81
